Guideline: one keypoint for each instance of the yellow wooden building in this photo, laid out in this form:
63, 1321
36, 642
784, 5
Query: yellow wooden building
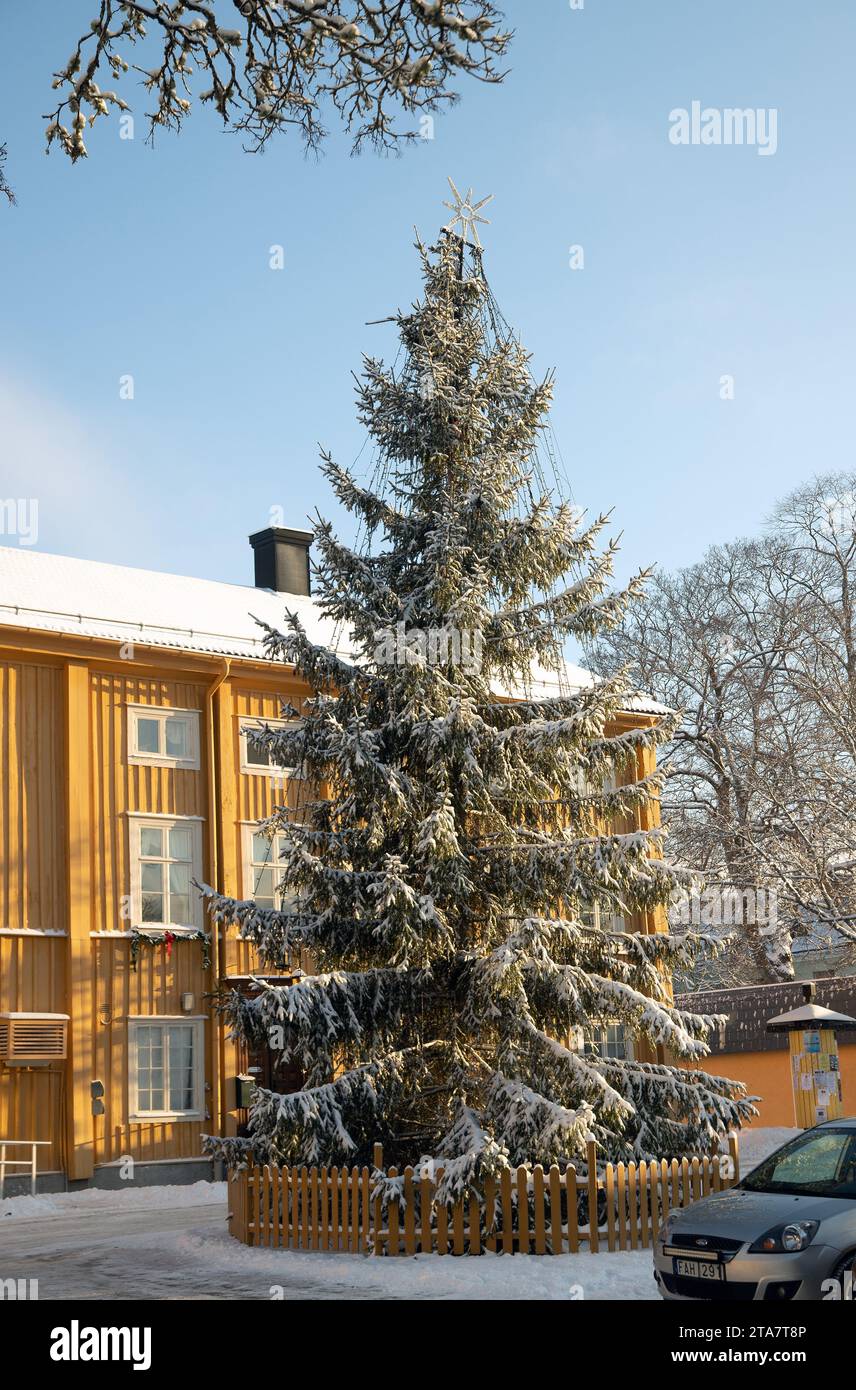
125, 775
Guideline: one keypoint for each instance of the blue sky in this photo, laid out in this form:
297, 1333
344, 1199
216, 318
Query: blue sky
700, 262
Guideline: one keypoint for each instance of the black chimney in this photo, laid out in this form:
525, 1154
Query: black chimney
282, 559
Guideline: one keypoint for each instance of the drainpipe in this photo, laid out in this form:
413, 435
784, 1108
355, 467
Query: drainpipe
213, 857
218, 953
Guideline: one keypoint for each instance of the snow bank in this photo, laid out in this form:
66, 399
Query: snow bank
616, 1276
127, 1198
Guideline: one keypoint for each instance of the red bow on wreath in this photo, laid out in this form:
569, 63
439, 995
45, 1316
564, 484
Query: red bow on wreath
168, 938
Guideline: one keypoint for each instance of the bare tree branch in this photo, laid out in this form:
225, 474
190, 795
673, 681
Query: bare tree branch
281, 64
5, 190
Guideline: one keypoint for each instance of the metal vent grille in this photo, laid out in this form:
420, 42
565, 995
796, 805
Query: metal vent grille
33, 1037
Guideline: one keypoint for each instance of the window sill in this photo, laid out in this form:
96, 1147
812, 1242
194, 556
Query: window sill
158, 929
155, 760
255, 771
166, 1117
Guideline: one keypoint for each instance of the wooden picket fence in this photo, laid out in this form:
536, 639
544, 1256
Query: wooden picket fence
530, 1211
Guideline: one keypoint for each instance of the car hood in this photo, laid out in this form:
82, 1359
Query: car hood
746, 1215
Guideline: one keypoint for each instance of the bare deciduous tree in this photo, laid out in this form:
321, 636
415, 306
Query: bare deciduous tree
815, 577
275, 65
757, 646
700, 642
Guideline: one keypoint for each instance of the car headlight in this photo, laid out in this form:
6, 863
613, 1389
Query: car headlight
667, 1230
787, 1239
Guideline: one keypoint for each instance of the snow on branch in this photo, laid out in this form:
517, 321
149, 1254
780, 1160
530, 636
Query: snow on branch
526, 1122
322, 1017
328, 1123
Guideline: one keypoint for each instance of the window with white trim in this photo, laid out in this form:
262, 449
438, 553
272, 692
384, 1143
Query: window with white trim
592, 916
166, 1060
263, 869
583, 786
163, 737
166, 855
610, 1042
260, 760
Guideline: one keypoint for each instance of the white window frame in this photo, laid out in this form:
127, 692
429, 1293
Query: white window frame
136, 824
259, 769
617, 923
248, 830
629, 1048
135, 1114
162, 713
583, 787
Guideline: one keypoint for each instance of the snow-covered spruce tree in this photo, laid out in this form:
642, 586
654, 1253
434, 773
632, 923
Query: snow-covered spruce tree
449, 861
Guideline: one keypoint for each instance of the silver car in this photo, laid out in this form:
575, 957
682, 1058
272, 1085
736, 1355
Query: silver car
786, 1231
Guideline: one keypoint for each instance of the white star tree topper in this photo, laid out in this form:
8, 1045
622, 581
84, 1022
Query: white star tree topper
467, 215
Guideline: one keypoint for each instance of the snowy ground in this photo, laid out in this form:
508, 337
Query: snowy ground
172, 1243
197, 1194
122, 1247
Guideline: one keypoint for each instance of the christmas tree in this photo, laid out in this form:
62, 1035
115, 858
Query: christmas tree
474, 824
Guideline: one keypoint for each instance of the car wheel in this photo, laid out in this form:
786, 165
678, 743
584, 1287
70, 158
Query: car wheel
844, 1275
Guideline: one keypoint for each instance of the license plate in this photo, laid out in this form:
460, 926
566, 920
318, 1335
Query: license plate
699, 1269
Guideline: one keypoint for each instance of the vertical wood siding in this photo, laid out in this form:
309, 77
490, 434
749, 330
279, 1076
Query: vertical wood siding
32, 890
119, 993
33, 979
257, 797
32, 827
157, 984
119, 787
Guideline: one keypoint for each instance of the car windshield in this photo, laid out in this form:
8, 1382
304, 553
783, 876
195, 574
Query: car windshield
820, 1163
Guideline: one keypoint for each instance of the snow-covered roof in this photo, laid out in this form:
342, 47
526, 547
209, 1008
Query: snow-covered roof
87, 598
55, 593
546, 685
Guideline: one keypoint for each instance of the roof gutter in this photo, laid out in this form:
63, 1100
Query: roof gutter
56, 650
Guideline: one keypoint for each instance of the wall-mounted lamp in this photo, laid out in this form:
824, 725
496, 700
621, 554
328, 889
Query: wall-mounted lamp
187, 1003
